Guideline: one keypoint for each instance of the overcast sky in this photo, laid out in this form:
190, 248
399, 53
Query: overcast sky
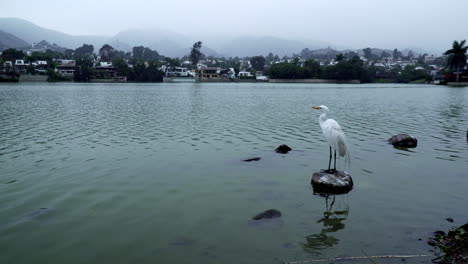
430, 24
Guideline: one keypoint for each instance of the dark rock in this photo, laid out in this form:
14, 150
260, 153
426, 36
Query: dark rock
252, 159
283, 149
332, 182
403, 141
438, 233
449, 219
271, 213
12, 181
431, 242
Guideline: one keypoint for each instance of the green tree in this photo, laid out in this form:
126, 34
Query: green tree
384, 55
121, 66
409, 74
287, 71
396, 54
457, 57
258, 63
83, 70
313, 68
367, 53
144, 53
270, 58
146, 72
195, 53
12, 55
69, 54
172, 62
84, 52
106, 52
339, 57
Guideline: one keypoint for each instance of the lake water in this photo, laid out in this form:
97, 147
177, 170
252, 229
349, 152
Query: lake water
152, 173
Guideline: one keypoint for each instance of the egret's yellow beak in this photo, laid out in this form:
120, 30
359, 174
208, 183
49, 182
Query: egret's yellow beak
316, 107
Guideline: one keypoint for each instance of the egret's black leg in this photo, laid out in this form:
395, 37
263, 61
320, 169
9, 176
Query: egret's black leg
329, 161
335, 160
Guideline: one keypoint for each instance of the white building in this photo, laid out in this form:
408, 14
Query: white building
177, 72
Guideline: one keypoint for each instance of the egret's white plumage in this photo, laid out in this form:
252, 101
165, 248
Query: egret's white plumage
334, 135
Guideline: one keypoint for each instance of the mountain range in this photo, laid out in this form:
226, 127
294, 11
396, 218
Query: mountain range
8, 40
18, 33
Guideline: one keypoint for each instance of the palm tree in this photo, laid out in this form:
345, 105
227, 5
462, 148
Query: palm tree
457, 56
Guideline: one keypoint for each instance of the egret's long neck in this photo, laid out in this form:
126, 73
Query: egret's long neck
322, 118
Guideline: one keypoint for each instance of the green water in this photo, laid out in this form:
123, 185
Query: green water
133, 173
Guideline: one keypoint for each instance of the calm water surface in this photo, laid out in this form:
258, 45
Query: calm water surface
132, 173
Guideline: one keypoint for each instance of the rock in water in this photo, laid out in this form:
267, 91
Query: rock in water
332, 182
283, 149
272, 213
252, 159
403, 140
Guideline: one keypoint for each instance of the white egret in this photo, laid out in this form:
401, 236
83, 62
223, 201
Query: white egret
334, 135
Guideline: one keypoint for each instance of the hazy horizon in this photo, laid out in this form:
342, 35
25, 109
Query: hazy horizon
430, 24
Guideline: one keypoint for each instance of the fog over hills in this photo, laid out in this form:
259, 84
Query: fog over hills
165, 42
32, 33
8, 40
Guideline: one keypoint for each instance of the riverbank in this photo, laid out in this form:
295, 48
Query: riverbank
314, 81
457, 84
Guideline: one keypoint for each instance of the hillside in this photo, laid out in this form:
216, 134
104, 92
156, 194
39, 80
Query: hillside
15, 32
33, 33
252, 46
8, 40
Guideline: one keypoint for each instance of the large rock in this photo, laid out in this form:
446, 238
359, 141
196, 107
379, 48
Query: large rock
271, 213
283, 149
403, 141
332, 182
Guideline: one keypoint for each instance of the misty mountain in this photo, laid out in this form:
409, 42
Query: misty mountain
15, 32
404, 52
8, 40
252, 46
33, 33
43, 46
165, 42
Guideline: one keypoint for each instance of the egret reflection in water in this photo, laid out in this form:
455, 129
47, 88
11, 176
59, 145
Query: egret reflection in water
332, 222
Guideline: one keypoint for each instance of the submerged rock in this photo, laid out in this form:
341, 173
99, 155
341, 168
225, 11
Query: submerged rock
271, 213
12, 181
332, 182
283, 149
252, 159
403, 141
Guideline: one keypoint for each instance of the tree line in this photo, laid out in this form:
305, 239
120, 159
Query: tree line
142, 64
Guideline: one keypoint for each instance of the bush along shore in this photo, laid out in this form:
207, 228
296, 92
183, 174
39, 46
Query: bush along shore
142, 64
453, 245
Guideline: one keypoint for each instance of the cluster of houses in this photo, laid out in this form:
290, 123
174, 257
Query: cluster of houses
105, 71
387, 65
23, 66
66, 68
205, 72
